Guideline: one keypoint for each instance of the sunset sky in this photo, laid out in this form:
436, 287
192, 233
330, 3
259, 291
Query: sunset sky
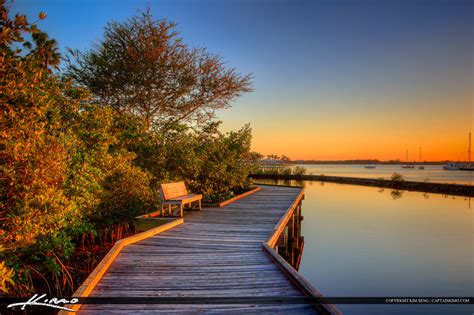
333, 79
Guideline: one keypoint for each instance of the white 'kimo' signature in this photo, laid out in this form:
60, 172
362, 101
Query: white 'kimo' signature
39, 300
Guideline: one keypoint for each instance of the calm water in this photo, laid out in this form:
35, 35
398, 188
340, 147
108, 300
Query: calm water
365, 242
434, 173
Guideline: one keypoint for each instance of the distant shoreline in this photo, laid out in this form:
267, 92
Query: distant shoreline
437, 188
365, 162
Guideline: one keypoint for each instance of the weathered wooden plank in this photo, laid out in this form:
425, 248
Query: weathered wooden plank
202, 309
249, 292
216, 253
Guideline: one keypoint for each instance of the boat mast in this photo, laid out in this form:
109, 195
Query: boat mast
420, 154
469, 150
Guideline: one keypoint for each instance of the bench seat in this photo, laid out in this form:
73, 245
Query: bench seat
187, 198
176, 194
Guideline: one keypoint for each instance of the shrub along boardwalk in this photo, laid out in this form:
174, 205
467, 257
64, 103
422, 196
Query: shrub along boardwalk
216, 252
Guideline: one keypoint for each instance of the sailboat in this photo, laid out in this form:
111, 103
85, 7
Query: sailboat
462, 166
421, 167
469, 166
466, 167
408, 165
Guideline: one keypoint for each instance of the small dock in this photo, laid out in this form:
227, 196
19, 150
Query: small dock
216, 252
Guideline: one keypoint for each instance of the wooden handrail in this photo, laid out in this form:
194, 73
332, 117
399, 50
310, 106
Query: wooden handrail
89, 284
271, 241
299, 280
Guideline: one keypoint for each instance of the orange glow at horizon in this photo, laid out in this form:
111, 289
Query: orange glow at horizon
310, 133
366, 144
346, 149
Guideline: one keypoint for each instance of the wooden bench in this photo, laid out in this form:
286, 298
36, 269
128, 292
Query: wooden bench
176, 194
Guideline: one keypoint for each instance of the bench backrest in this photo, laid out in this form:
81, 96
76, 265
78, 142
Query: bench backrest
173, 190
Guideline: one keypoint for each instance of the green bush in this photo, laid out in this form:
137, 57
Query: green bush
209, 161
36, 209
64, 171
224, 170
299, 170
103, 175
71, 168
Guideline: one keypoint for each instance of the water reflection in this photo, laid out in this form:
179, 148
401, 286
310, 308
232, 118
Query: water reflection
396, 194
359, 241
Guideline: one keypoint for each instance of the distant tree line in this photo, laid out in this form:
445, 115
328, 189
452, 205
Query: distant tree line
256, 156
364, 162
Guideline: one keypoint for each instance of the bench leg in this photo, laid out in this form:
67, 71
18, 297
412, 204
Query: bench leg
199, 204
169, 210
162, 210
181, 206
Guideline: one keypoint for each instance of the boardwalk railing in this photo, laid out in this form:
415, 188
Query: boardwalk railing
206, 235
89, 284
300, 281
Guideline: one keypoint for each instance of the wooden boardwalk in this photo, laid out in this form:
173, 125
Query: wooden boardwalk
216, 252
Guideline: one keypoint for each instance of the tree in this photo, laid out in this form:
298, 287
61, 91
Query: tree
143, 67
209, 161
34, 207
64, 170
255, 156
45, 49
273, 157
70, 169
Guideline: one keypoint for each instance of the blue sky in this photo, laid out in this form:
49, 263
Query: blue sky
333, 79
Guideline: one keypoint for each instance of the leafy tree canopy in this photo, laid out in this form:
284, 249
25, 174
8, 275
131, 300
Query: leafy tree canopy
71, 170
143, 67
